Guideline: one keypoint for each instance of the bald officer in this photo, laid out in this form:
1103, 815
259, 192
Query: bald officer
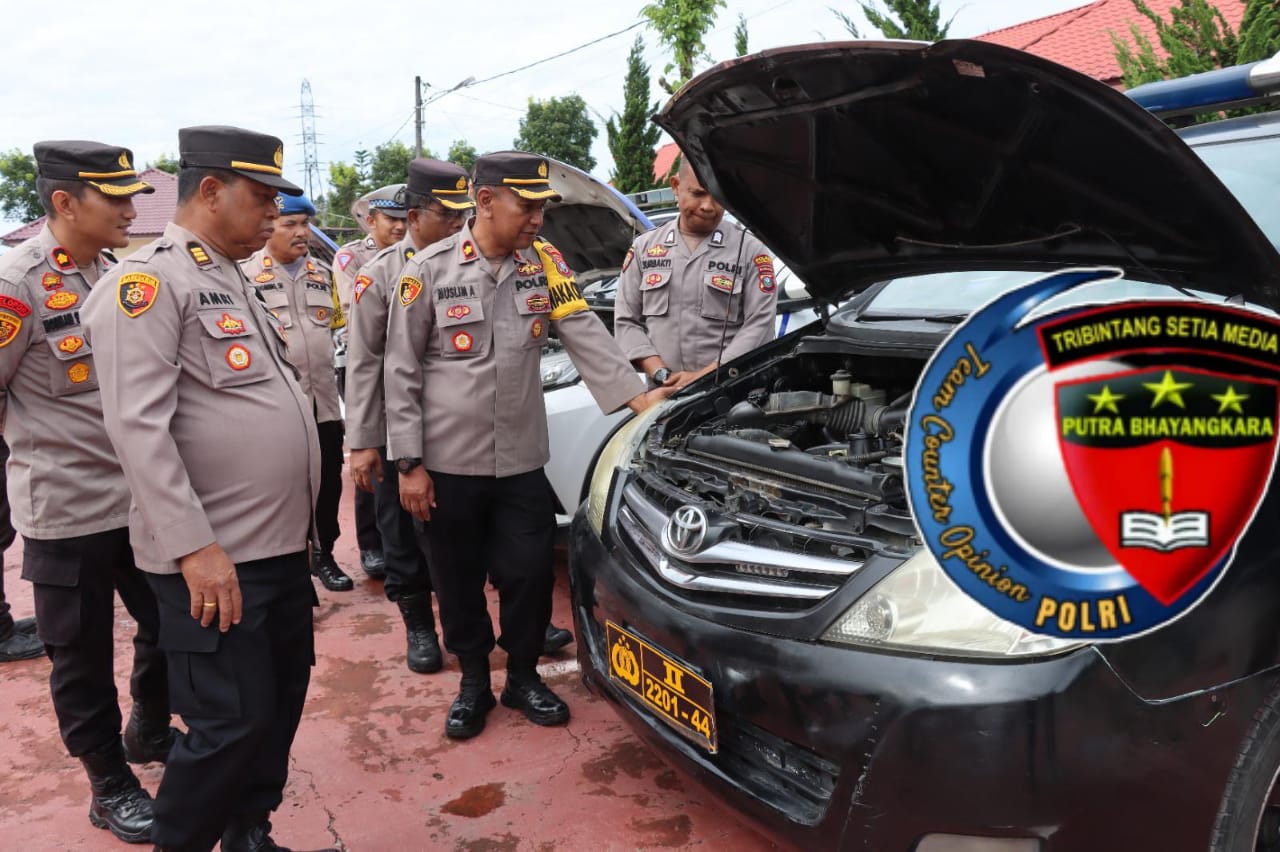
218, 443
468, 428
437, 202
692, 287
298, 289
68, 494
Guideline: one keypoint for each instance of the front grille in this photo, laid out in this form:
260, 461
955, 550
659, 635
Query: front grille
728, 566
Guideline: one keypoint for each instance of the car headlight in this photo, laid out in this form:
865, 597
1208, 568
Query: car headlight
917, 607
617, 453
557, 371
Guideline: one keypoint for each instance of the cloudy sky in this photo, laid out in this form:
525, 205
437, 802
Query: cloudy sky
241, 62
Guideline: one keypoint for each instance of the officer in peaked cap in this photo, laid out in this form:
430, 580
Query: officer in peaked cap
438, 202
468, 428
188, 357
384, 217
68, 494
298, 289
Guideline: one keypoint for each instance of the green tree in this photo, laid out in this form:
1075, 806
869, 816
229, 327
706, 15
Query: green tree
391, 164
914, 19
1260, 30
632, 136
681, 26
740, 37
559, 128
1195, 38
462, 153
165, 163
18, 196
348, 185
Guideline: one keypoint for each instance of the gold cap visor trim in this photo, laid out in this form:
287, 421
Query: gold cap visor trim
256, 167
534, 194
464, 204
117, 189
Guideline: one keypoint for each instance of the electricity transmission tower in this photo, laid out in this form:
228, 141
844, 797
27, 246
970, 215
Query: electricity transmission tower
310, 158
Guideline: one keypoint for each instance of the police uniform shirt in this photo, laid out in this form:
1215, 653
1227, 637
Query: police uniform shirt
304, 306
215, 435
64, 478
346, 265
676, 303
463, 345
367, 342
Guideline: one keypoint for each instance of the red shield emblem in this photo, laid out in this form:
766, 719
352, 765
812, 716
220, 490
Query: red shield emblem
1164, 462
362, 284
136, 293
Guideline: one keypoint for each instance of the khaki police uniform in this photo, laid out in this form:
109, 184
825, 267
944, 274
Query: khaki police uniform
677, 304
464, 342
217, 440
346, 266
68, 494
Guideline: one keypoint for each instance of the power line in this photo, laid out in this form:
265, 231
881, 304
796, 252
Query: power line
559, 55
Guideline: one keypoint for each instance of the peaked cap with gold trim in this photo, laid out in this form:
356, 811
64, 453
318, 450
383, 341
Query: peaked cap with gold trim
107, 168
257, 156
445, 182
527, 175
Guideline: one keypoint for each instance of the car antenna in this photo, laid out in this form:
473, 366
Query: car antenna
728, 310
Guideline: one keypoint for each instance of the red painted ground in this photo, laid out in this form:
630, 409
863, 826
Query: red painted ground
372, 769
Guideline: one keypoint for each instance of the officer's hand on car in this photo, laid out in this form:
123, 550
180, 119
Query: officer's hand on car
642, 401
365, 465
214, 587
417, 493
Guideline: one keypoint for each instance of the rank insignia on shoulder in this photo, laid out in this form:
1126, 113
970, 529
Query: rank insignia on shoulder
60, 300
62, 259
409, 288
656, 251
343, 258
311, 267
78, 373
626, 261
462, 342
409, 253
458, 311
538, 303
264, 276
468, 251
51, 281
18, 306
535, 330
670, 238
137, 292
71, 344
267, 262
10, 325
198, 254
230, 324
238, 357
717, 237
362, 284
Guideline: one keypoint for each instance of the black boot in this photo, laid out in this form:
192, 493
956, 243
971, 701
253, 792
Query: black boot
555, 639
420, 627
374, 564
474, 701
526, 692
20, 646
119, 804
148, 736
252, 834
326, 568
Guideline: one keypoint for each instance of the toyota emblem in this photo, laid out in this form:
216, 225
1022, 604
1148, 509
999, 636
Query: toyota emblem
686, 530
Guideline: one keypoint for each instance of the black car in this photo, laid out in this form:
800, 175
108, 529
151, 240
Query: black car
807, 660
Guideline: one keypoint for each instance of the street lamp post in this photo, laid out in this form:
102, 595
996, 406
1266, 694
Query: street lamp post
418, 105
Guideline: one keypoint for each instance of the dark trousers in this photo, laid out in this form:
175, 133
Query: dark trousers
403, 546
75, 581
500, 527
327, 530
240, 694
7, 535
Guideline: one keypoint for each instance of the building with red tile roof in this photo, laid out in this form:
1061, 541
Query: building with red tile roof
155, 210
1080, 38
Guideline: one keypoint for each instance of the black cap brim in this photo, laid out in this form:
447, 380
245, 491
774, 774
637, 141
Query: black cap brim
271, 180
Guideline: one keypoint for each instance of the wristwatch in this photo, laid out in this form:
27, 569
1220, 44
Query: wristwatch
404, 464
661, 375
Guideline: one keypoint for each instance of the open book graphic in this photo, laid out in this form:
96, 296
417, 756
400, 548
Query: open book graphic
1165, 531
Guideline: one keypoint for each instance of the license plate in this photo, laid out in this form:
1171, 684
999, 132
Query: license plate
665, 685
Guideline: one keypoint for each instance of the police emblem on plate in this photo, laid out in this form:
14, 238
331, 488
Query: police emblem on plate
409, 288
462, 342
78, 373
238, 357
136, 292
61, 300
71, 344
1087, 473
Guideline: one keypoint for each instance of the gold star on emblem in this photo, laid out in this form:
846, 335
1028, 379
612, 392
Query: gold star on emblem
1168, 389
1105, 401
1230, 400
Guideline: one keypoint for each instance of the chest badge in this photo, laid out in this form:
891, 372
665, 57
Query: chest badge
61, 300
231, 325
535, 330
263, 277
538, 303
653, 279
71, 344
722, 282
51, 281
458, 311
656, 251
78, 373
238, 357
322, 314
462, 342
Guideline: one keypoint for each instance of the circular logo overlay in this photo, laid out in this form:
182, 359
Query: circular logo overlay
1086, 474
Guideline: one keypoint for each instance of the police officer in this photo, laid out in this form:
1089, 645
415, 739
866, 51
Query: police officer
17, 638
68, 494
694, 293
385, 219
468, 428
437, 202
298, 289
218, 442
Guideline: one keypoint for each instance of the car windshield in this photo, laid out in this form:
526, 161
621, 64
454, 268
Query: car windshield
1250, 168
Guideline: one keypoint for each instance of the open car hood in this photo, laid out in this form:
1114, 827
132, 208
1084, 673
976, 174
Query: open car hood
592, 225
862, 161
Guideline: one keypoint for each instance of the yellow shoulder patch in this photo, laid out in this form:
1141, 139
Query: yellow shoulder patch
136, 293
565, 297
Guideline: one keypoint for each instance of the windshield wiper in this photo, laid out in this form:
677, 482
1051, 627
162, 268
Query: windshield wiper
946, 318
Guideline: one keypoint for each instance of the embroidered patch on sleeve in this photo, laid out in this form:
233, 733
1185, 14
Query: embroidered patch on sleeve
136, 293
10, 325
626, 261
409, 289
18, 306
362, 284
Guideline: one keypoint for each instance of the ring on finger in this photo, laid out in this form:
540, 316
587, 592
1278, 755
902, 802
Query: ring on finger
210, 604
